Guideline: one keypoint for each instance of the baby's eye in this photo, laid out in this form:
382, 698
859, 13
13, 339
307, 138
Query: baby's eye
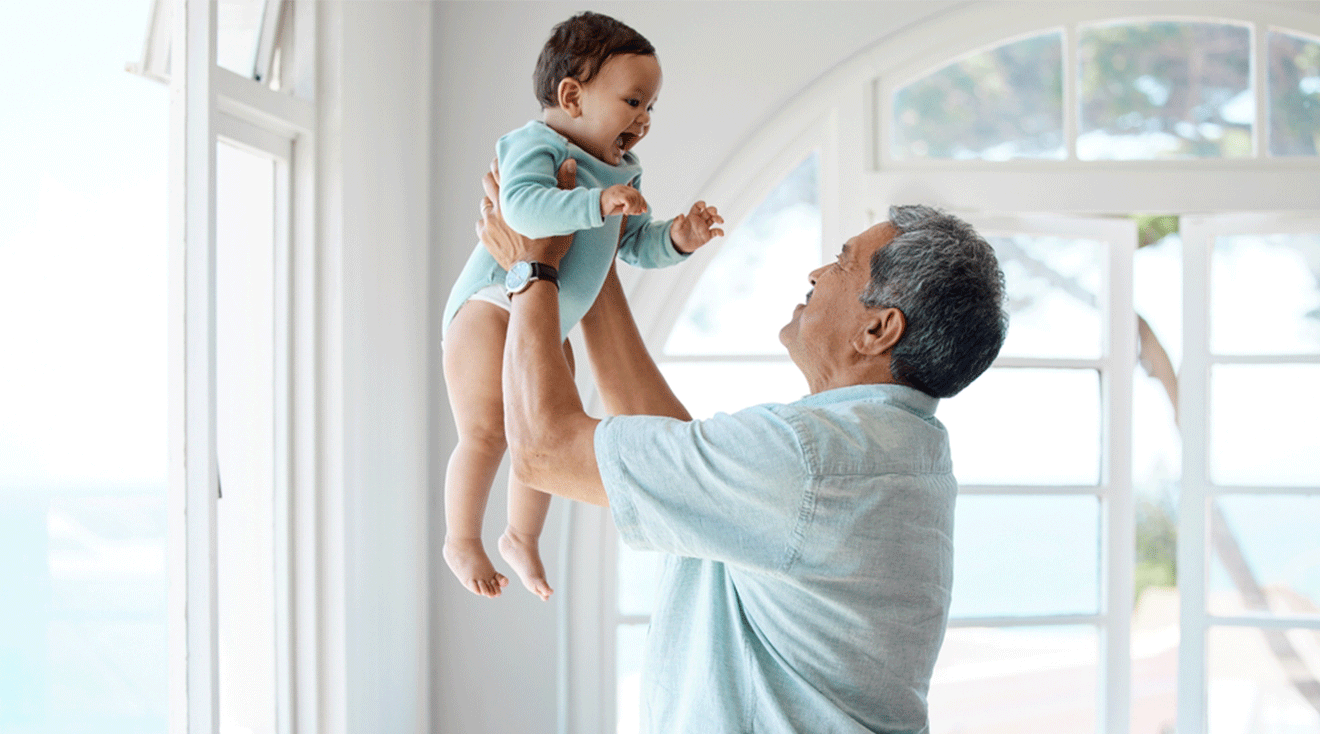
634, 102
650, 108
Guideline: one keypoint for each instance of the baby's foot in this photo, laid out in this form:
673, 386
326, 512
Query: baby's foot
522, 553
469, 562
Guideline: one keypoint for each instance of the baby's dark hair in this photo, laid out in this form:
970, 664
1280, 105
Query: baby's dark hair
578, 47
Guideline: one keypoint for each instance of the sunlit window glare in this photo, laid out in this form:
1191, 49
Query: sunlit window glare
82, 383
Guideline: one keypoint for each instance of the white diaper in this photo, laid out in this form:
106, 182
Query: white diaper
495, 294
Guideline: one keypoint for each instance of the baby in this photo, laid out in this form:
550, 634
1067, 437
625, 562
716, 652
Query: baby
596, 80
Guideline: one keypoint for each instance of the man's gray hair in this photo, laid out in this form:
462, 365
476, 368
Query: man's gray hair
944, 278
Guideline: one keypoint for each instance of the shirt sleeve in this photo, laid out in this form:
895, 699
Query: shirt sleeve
732, 488
530, 198
646, 244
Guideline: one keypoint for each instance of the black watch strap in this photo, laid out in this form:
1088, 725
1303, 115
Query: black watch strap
521, 275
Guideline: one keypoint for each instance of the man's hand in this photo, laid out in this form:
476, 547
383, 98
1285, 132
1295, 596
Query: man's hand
506, 245
621, 199
696, 228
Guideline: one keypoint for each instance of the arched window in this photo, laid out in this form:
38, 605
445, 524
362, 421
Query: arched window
1135, 541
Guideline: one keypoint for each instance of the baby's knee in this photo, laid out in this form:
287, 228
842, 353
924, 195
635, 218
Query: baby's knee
484, 436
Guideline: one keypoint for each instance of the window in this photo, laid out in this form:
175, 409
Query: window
999, 104
1132, 89
1294, 80
1043, 526
1251, 624
1164, 89
252, 623
244, 179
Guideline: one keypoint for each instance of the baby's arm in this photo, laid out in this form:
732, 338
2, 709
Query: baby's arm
531, 201
658, 244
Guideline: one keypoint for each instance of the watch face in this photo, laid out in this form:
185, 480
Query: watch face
518, 275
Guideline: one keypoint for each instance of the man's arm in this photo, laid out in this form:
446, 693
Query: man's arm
551, 438
627, 377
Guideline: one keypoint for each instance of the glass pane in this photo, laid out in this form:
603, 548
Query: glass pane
1022, 679
245, 441
1266, 555
1154, 649
748, 291
1262, 681
1026, 426
638, 575
707, 388
1263, 425
1053, 302
83, 345
1021, 556
1156, 473
630, 645
237, 30
1157, 285
1294, 94
996, 105
1165, 90
1265, 294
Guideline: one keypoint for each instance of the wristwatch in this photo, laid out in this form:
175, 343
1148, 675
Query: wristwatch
522, 274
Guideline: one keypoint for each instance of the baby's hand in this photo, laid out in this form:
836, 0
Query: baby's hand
696, 228
621, 199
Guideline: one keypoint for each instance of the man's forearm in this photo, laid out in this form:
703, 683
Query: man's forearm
627, 377
551, 438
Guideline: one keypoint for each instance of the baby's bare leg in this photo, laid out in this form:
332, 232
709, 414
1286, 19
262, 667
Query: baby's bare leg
473, 356
520, 544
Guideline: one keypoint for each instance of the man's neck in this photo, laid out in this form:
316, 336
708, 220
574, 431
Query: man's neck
856, 374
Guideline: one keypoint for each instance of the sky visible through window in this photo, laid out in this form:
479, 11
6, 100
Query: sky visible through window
82, 380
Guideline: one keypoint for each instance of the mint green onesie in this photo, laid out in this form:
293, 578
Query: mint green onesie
533, 205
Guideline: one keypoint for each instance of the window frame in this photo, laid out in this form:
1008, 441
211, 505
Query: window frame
210, 104
1198, 490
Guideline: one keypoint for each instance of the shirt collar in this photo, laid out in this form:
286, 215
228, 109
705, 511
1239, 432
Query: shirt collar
903, 396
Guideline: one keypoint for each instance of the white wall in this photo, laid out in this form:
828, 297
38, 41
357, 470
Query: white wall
728, 67
373, 159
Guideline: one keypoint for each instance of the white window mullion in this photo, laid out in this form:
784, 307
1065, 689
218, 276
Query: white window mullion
194, 671
1260, 65
1193, 398
282, 430
1119, 512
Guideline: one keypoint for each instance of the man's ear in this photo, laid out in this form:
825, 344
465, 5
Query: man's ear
882, 332
570, 96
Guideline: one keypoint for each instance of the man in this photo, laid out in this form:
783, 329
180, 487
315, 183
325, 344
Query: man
810, 552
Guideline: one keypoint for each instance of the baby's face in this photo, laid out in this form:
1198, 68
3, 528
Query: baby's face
616, 106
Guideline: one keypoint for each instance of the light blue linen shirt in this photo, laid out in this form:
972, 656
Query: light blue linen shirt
811, 560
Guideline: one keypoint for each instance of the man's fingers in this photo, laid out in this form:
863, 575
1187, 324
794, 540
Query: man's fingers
567, 174
495, 169
491, 183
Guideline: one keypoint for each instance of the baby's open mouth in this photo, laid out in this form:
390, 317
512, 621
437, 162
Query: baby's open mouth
626, 141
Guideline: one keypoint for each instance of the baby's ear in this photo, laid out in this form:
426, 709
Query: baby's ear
570, 96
